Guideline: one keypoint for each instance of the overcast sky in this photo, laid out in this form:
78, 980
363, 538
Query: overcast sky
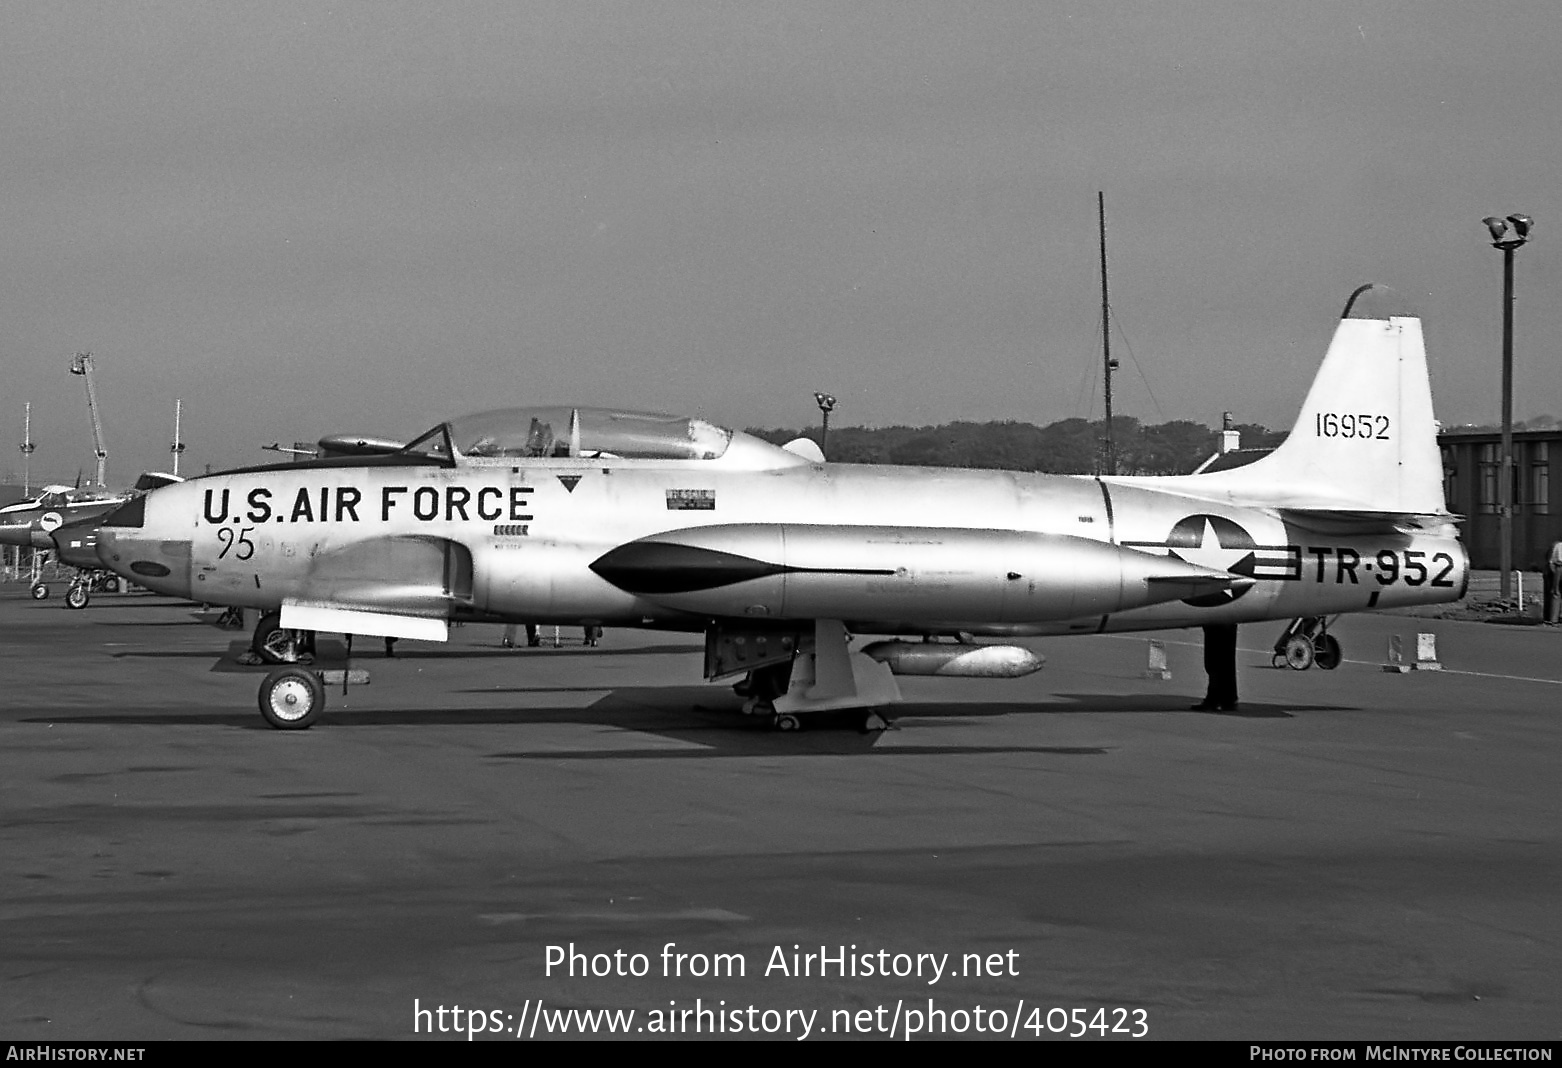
311, 218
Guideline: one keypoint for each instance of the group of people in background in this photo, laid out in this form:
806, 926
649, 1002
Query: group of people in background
593, 635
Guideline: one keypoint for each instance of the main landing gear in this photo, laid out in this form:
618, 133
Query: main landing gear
273, 643
1305, 642
818, 675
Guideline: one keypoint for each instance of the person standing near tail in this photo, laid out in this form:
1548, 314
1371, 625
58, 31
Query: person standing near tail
1553, 598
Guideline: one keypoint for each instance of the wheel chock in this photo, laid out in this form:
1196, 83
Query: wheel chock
1157, 667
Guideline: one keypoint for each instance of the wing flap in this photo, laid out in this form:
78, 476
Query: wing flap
308, 616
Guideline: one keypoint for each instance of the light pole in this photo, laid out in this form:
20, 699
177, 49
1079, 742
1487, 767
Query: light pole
177, 448
1504, 495
826, 406
1500, 238
27, 450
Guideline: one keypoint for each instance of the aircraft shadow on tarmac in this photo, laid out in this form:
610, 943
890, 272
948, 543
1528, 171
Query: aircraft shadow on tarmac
706, 719
1161, 702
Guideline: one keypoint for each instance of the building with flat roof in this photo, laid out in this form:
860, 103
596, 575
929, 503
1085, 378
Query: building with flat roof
1472, 464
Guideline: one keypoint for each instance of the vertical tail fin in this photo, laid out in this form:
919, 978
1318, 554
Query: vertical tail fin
1366, 439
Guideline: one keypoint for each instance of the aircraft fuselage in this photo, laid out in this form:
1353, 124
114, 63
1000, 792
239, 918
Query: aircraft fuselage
527, 533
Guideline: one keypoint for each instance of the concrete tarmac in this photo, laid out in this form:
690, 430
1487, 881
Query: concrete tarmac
1354, 855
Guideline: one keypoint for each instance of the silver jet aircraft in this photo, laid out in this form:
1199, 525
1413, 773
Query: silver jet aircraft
37, 521
581, 516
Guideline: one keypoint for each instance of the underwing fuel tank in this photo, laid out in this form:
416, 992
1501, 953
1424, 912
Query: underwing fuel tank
957, 661
909, 575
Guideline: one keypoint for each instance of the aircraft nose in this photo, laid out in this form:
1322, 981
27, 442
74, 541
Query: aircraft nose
128, 547
15, 533
160, 564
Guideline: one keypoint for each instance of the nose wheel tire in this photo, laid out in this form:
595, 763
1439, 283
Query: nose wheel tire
291, 699
785, 721
77, 597
40, 592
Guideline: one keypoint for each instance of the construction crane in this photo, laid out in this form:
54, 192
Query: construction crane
81, 364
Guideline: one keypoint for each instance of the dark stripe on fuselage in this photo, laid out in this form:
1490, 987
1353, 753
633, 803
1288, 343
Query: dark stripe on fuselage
657, 567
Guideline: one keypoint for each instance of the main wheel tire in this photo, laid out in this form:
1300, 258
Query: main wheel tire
273, 643
785, 721
77, 596
111, 584
40, 592
291, 699
1299, 653
1328, 654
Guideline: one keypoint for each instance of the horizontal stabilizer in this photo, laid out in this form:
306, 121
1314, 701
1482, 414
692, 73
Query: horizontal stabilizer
1350, 522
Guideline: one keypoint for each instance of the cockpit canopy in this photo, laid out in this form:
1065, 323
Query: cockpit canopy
573, 432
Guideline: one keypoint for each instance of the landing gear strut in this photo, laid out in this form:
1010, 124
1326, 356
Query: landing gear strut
276, 644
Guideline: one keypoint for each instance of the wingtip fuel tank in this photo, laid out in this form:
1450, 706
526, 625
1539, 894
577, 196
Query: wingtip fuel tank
933, 576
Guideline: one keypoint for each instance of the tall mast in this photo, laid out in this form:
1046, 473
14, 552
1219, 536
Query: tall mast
177, 448
1108, 364
27, 450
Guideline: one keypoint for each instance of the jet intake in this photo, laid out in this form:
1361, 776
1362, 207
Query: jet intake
958, 661
400, 575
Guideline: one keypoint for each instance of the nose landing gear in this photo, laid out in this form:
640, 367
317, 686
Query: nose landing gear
292, 698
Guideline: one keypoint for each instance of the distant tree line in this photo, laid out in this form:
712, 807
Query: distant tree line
1070, 446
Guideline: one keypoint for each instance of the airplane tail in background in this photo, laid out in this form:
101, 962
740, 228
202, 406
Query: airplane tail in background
1365, 441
